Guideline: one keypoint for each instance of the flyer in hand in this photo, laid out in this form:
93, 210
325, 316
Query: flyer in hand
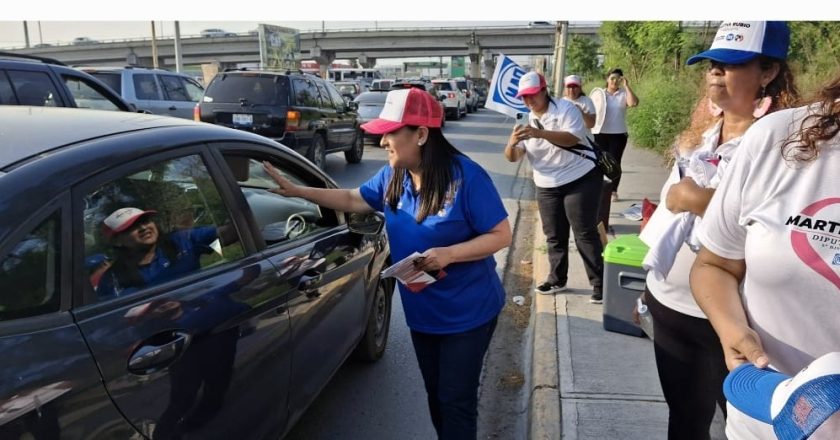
412, 277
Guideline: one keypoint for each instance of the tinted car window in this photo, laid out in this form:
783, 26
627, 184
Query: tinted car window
7, 95
279, 218
111, 79
86, 96
34, 88
29, 274
260, 90
444, 86
306, 93
338, 100
145, 87
192, 225
326, 101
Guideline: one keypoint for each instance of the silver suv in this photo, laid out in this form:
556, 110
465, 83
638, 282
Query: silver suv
154, 90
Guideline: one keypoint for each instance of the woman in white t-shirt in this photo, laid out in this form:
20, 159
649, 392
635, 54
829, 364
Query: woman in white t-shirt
768, 276
741, 86
611, 131
573, 92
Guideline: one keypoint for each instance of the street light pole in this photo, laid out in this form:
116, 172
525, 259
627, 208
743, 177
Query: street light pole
26, 33
562, 31
154, 48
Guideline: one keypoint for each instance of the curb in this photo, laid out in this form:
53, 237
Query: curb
544, 417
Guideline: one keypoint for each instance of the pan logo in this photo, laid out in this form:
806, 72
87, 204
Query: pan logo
508, 84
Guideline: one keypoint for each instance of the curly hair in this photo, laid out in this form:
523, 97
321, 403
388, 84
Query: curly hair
822, 124
781, 89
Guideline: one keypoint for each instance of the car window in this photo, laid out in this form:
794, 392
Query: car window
85, 95
194, 90
173, 88
338, 100
34, 88
326, 101
306, 93
258, 90
279, 218
111, 79
444, 86
145, 87
30, 273
7, 95
154, 225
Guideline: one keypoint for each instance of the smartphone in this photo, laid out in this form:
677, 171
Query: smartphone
521, 118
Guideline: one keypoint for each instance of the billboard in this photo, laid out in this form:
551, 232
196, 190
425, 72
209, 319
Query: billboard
279, 47
458, 67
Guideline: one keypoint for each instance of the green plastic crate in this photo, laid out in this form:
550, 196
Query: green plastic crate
627, 250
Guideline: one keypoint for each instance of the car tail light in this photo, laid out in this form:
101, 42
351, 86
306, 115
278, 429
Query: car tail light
451, 95
196, 113
292, 120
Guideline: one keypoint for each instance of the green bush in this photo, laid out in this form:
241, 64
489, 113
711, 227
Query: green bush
665, 105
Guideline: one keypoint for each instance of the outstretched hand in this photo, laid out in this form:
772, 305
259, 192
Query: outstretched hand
284, 186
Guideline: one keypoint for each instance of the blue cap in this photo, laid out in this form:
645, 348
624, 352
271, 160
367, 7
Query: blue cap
794, 406
738, 42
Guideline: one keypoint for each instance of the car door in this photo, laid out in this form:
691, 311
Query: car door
346, 118
195, 342
323, 267
181, 94
147, 93
336, 132
51, 387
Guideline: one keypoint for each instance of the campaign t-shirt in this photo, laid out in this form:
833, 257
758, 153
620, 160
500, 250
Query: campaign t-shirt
783, 219
588, 107
554, 166
471, 293
615, 119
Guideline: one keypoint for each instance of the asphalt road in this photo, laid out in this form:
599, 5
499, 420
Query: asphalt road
386, 400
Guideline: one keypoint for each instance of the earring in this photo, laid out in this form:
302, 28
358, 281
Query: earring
762, 105
714, 109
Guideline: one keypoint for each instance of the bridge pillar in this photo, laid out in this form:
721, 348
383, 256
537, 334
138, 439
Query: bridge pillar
489, 64
474, 51
324, 58
366, 62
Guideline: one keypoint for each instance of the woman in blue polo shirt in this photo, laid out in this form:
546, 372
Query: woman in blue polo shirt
443, 205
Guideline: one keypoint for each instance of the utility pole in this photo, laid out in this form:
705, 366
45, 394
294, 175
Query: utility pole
560, 36
154, 48
40, 35
26, 33
178, 60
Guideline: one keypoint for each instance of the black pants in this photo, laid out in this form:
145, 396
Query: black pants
691, 368
451, 367
615, 143
575, 204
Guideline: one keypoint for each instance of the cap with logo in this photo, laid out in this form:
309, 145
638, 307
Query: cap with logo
741, 41
795, 406
530, 83
572, 80
122, 219
412, 106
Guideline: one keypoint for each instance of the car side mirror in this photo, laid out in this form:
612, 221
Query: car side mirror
352, 105
366, 224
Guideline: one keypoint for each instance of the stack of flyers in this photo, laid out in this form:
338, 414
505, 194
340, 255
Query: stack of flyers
413, 278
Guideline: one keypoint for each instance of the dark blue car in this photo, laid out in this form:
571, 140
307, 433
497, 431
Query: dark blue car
246, 306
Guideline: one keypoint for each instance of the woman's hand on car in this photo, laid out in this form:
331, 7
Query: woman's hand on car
284, 186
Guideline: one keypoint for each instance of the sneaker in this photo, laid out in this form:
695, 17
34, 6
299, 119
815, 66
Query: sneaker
547, 288
597, 298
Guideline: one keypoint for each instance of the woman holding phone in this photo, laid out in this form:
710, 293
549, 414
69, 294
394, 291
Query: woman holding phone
568, 185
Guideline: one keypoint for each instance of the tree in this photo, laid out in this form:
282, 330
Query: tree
645, 47
582, 56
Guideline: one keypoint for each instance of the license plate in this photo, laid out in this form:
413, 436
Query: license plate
243, 119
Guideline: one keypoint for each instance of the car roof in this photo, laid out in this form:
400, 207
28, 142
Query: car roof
30, 131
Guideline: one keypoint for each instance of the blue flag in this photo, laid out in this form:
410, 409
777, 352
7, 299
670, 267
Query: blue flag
503, 88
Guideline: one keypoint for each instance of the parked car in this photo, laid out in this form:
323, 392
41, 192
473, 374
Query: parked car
158, 91
381, 84
454, 99
427, 86
235, 344
349, 89
302, 111
468, 87
370, 105
216, 33
45, 82
83, 41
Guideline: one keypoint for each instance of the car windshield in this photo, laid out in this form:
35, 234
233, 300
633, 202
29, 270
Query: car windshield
371, 98
256, 90
370, 110
444, 86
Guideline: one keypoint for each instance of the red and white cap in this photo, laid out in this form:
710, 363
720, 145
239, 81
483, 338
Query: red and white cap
572, 80
122, 219
530, 83
403, 107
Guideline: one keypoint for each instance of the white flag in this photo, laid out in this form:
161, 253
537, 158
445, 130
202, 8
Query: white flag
503, 88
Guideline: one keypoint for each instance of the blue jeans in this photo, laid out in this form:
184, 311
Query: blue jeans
451, 367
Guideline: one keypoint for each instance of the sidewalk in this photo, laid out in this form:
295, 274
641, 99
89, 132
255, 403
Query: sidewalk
588, 383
